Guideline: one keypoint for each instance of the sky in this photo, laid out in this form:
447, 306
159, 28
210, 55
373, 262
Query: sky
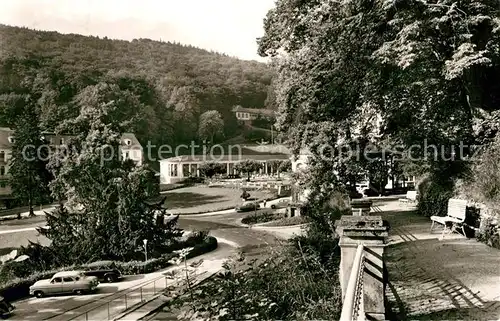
228, 26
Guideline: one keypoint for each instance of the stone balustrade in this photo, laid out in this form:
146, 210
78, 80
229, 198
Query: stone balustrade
365, 284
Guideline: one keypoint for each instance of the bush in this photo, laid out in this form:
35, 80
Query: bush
260, 218
19, 287
289, 221
490, 234
290, 285
434, 199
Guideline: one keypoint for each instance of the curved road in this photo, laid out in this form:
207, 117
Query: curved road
224, 226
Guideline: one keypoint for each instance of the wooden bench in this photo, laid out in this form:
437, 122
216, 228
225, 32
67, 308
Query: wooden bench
455, 217
411, 197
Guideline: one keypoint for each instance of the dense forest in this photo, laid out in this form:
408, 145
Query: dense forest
162, 87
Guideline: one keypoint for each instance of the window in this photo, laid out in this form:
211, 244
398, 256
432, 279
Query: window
128, 142
61, 141
2, 170
3, 184
56, 280
2, 156
173, 170
11, 139
126, 155
68, 279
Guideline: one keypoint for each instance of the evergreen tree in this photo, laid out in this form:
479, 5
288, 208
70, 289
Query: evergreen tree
107, 215
28, 167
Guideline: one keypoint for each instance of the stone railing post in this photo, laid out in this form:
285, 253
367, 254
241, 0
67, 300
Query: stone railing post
371, 232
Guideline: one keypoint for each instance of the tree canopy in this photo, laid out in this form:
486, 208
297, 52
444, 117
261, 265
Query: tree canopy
352, 73
107, 214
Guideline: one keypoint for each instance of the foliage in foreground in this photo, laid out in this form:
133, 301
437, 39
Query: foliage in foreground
297, 281
291, 284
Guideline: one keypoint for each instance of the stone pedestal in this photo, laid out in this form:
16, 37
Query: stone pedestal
371, 232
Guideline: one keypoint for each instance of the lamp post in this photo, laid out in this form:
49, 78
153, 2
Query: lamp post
145, 241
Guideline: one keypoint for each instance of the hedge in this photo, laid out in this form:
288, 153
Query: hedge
19, 288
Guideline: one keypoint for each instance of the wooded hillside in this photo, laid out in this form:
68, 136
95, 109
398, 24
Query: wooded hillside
163, 87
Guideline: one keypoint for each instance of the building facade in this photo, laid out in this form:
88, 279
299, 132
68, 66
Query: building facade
247, 114
130, 149
176, 169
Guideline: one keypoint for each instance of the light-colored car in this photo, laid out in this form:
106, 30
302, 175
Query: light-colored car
75, 282
281, 204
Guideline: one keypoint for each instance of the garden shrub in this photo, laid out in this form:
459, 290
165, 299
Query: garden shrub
289, 285
434, 199
260, 218
489, 233
289, 221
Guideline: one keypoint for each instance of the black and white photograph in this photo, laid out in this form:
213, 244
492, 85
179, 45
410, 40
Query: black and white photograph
249, 160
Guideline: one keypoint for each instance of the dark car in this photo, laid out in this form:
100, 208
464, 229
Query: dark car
248, 206
5, 308
105, 275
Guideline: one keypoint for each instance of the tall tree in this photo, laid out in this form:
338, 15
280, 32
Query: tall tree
211, 125
106, 215
211, 168
402, 71
29, 176
248, 167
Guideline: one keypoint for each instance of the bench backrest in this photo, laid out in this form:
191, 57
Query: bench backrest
457, 208
411, 195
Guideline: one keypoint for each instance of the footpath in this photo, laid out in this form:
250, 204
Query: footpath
430, 279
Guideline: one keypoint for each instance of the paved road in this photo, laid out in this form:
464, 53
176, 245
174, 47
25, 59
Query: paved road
223, 226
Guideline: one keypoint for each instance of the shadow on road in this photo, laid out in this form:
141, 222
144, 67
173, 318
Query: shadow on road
128, 278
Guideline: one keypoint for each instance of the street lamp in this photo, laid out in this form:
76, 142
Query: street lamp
145, 241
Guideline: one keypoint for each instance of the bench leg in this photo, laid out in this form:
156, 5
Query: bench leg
446, 230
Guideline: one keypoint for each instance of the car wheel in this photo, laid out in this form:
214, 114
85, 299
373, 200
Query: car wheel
110, 278
78, 292
39, 294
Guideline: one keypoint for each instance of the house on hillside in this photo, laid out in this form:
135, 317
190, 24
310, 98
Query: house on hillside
130, 149
249, 114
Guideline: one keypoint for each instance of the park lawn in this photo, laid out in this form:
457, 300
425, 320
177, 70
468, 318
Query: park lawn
202, 199
12, 241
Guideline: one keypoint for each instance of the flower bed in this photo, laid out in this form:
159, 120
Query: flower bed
19, 287
289, 221
262, 217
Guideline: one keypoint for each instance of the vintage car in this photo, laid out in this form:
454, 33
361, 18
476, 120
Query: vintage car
281, 204
75, 282
6, 308
104, 274
248, 206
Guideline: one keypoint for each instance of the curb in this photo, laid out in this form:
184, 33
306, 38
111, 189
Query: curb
281, 227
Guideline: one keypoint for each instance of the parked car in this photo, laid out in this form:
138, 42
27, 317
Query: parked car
6, 308
105, 275
247, 207
281, 204
75, 282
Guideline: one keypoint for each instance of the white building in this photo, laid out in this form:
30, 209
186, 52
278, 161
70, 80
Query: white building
176, 169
